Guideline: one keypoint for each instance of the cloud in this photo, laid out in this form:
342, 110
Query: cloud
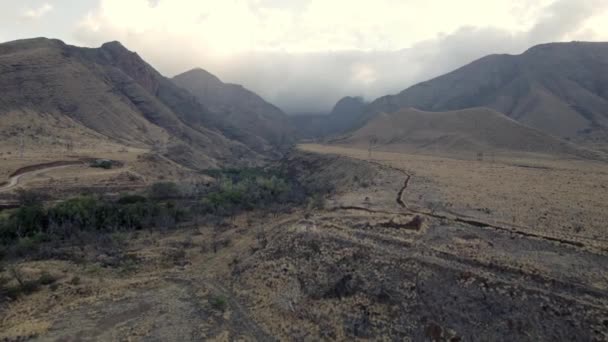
304, 55
562, 17
38, 12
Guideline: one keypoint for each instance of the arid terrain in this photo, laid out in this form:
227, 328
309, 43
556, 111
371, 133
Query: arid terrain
140, 207
406, 248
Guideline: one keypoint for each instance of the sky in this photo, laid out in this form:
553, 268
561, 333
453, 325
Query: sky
304, 55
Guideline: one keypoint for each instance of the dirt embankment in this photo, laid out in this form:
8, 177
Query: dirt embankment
36, 167
329, 173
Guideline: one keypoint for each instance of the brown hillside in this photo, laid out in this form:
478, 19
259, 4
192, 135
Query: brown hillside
110, 93
472, 130
242, 114
560, 89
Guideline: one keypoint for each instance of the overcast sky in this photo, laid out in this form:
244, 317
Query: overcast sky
303, 55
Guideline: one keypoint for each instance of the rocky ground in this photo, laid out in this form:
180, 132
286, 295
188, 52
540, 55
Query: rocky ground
379, 261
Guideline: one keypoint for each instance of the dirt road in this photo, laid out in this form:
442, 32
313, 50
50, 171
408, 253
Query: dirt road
34, 170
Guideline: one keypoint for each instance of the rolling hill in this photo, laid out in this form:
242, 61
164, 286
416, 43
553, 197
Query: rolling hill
105, 94
560, 89
475, 130
242, 114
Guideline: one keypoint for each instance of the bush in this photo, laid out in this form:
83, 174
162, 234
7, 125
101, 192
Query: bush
317, 202
46, 279
131, 199
29, 198
247, 189
23, 287
76, 214
74, 281
164, 190
219, 303
102, 163
28, 220
26, 246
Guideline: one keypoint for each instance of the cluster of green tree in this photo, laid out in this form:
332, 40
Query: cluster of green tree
32, 223
163, 205
236, 190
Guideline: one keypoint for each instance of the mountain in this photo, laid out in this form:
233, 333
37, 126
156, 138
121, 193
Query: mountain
347, 107
106, 94
560, 89
242, 114
474, 130
338, 121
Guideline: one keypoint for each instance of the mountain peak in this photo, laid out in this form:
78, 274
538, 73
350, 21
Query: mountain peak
349, 106
200, 74
115, 46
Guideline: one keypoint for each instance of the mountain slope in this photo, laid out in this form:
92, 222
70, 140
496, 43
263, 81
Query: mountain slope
338, 121
475, 130
112, 92
560, 89
242, 114
346, 107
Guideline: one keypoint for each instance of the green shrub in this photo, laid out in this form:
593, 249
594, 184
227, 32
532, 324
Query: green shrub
28, 220
164, 190
29, 198
219, 303
74, 281
46, 279
246, 189
131, 199
76, 214
317, 202
102, 163
26, 246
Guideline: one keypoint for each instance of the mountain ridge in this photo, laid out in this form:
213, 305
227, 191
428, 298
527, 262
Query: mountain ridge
558, 88
243, 114
114, 92
472, 130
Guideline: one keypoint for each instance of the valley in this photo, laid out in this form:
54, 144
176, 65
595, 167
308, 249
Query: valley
138, 207
396, 239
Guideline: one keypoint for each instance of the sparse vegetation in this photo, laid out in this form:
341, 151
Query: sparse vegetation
19, 285
24, 230
219, 303
246, 189
102, 163
164, 190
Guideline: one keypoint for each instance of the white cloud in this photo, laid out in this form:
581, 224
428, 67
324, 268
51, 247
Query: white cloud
38, 12
304, 55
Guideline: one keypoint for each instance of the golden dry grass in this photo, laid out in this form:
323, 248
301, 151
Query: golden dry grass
561, 198
282, 287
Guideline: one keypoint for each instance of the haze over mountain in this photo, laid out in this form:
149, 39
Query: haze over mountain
469, 131
242, 114
111, 93
560, 89
337, 121
304, 55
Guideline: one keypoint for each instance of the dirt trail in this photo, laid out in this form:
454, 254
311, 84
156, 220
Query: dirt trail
456, 218
474, 222
32, 170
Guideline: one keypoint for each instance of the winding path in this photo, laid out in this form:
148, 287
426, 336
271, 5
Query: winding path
521, 231
32, 170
